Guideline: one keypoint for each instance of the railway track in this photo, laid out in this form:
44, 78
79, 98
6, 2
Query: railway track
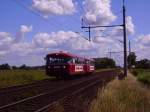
80, 90
16, 93
44, 100
10, 94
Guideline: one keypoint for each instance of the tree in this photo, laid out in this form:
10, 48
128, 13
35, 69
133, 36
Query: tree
104, 63
5, 67
24, 67
144, 63
14, 67
131, 59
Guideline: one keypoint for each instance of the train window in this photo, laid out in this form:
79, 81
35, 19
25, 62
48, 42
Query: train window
87, 62
47, 60
73, 60
79, 61
57, 60
91, 62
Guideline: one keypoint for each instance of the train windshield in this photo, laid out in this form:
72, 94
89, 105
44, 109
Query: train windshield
58, 60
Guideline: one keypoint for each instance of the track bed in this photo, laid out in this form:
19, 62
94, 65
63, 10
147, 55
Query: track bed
46, 94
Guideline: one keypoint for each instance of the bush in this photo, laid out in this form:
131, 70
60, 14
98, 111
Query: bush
143, 75
145, 78
104, 63
134, 72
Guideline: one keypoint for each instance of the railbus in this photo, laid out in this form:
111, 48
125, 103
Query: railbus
63, 65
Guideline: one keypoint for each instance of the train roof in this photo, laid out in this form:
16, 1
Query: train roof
64, 54
89, 59
60, 54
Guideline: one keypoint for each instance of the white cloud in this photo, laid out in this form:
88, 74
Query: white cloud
141, 46
43, 40
5, 41
54, 7
3, 53
98, 12
42, 43
130, 25
144, 40
118, 31
61, 39
5, 37
20, 34
25, 29
103, 40
21, 49
10, 44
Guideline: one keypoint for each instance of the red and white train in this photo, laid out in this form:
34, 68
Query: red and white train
62, 65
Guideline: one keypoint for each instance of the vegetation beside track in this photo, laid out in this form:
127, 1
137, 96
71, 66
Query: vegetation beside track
122, 96
19, 77
105, 69
143, 75
101, 70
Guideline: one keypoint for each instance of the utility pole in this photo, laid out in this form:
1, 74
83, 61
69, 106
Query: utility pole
110, 55
89, 30
129, 47
124, 35
109, 52
125, 39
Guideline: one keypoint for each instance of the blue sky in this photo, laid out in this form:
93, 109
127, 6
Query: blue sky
13, 15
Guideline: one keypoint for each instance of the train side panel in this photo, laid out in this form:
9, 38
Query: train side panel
76, 69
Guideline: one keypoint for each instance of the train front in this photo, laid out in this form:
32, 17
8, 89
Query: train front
57, 64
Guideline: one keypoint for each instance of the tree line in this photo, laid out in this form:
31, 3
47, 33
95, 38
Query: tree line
104, 63
133, 63
6, 66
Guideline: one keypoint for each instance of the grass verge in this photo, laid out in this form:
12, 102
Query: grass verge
19, 77
122, 96
142, 75
105, 69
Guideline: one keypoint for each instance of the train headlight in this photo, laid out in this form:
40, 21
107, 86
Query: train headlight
64, 66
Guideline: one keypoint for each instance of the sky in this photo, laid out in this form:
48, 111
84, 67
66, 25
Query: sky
30, 29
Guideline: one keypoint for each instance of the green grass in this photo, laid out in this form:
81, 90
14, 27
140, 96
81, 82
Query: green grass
105, 69
122, 96
19, 77
142, 75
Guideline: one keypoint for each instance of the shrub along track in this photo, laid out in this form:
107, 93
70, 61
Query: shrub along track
51, 92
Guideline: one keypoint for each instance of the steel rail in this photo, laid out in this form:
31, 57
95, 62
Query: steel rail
46, 108
43, 94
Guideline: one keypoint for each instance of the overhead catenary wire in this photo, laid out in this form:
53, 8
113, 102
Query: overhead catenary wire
51, 24
19, 3
41, 16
